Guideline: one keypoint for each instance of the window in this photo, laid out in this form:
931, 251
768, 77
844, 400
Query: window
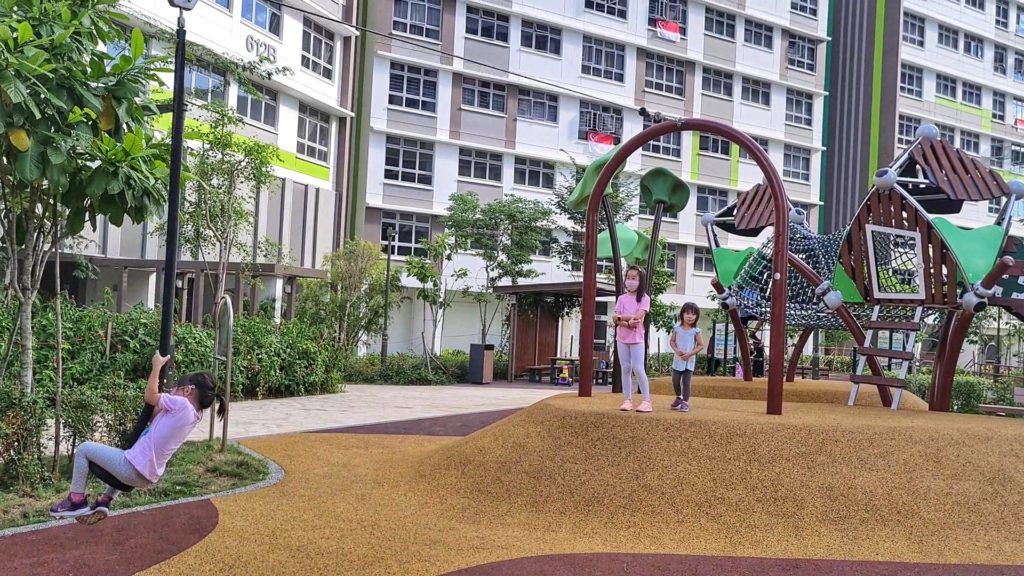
802, 53
976, 4
947, 133
913, 30
1020, 20
714, 145
949, 37
756, 92
226, 4
263, 14
487, 24
671, 10
664, 74
204, 82
703, 261
998, 107
259, 106
480, 165
418, 17
999, 60
796, 163
602, 118
1003, 14
645, 210
668, 145
413, 87
994, 206
534, 173
995, 153
671, 258
409, 160
799, 107
412, 230
314, 134
604, 59
317, 49
541, 37
613, 8
807, 7
971, 94
711, 200
483, 94
1017, 158
758, 34
974, 46
544, 250
911, 80
1018, 66
717, 82
945, 86
907, 132
720, 23
762, 142
970, 142
537, 105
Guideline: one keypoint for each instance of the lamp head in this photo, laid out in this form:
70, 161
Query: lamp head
183, 4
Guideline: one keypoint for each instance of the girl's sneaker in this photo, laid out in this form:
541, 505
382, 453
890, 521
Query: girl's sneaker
626, 406
645, 406
100, 510
67, 508
684, 407
676, 403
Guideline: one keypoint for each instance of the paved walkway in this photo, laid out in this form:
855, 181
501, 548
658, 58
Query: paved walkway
368, 404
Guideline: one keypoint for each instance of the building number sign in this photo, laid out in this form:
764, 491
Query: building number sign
260, 48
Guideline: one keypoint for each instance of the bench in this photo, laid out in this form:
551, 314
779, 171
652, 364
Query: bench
601, 376
806, 371
536, 373
1001, 410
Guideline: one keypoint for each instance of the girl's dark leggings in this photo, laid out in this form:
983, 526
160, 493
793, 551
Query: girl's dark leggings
683, 377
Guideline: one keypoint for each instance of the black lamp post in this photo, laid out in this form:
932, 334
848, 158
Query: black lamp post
387, 299
173, 195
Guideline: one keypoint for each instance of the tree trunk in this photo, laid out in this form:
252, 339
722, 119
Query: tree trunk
25, 320
60, 362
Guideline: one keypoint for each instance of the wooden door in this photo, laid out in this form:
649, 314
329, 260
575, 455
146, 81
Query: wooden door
536, 338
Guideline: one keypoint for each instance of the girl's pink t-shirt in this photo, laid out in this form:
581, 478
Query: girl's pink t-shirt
172, 425
627, 305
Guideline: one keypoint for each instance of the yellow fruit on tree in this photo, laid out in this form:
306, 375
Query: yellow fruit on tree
20, 139
108, 115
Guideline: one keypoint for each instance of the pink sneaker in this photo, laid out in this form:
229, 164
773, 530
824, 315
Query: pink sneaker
645, 406
626, 406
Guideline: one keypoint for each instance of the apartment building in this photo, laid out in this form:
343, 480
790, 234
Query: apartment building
495, 96
958, 64
306, 114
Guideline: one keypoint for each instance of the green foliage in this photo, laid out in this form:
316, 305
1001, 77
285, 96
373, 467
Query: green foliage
968, 391
506, 234
348, 307
75, 142
439, 284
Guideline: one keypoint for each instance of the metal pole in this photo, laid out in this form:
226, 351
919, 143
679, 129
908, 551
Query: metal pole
387, 300
171, 254
815, 358
996, 372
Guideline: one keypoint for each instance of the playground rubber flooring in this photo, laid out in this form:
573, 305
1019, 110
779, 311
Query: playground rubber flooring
572, 486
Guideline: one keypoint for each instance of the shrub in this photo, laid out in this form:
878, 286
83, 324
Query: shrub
456, 365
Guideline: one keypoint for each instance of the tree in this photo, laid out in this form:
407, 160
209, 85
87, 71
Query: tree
349, 304
226, 174
505, 234
75, 141
438, 282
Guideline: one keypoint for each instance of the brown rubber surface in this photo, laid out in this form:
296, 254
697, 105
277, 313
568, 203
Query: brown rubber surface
677, 565
457, 425
124, 544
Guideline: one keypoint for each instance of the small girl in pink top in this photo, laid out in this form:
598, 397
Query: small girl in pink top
176, 414
628, 318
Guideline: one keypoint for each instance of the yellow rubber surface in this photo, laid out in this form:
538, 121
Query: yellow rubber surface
822, 391
575, 475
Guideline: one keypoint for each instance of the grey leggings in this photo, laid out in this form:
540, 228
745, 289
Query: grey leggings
684, 390
110, 459
631, 357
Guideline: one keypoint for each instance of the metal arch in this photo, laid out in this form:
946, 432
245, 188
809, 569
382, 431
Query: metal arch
780, 248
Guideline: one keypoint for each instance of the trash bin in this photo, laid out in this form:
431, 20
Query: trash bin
481, 363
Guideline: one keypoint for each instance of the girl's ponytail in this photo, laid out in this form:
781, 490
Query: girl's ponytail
222, 406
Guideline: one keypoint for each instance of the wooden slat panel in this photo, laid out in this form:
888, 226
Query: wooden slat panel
961, 163
754, 208
860, 254
897, 354
957, 187
892, 325
931, 165
938, 281
996, 186
876, 380
952, 273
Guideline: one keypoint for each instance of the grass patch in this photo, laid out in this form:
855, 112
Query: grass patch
197, 468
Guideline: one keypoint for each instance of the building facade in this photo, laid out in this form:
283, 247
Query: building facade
306, 114
958, 64
495, 97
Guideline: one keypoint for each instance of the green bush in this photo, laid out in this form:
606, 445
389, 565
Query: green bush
456, 365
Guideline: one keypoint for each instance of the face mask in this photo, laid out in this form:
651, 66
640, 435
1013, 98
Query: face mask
632, 285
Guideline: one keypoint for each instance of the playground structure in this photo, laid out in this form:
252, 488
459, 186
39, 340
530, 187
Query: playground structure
899, 266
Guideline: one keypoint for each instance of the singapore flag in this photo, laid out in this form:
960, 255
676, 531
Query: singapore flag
599, 142
667, 29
